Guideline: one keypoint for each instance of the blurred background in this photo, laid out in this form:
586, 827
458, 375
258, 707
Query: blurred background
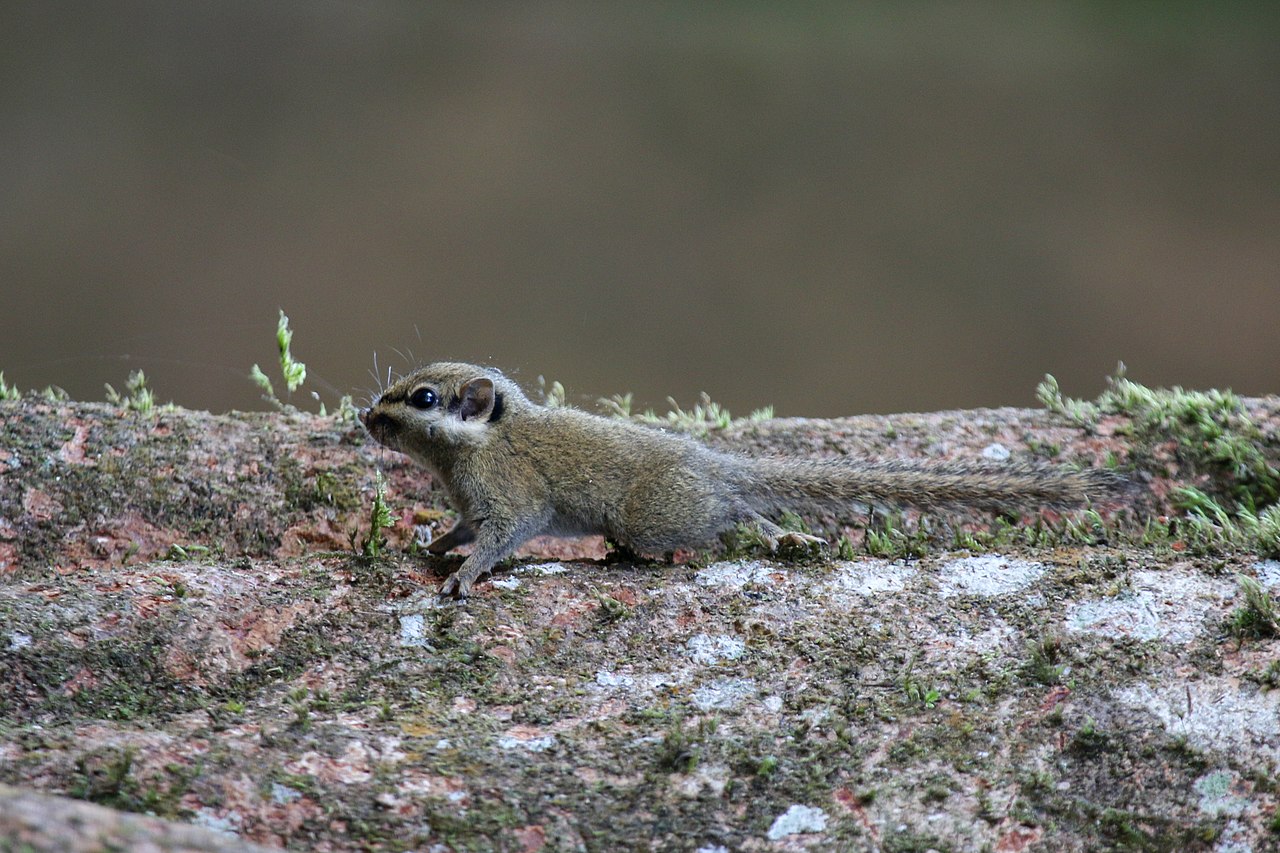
835, 208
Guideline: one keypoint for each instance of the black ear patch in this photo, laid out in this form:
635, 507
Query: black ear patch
498, 407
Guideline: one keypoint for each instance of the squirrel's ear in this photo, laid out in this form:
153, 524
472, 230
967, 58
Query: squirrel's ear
476, 400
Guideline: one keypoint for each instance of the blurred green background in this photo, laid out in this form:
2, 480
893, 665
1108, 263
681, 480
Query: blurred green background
831, 207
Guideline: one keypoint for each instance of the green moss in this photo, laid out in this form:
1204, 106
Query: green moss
704, 416
611, 609
917, 690
121, 679
552, 393
1268, 678
1212, 430
1208, 528
108, 777
137, 397
907, 841
7, 391
1045, 662
683, 745
375, 541
305, 492
1258, 617
885, 538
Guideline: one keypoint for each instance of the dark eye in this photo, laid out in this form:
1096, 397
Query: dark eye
423, 398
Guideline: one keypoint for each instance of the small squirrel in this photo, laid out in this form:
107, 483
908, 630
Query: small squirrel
514, 470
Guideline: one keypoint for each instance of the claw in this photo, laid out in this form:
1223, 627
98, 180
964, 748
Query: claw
453, 587
791, 545
792, 539
457, 585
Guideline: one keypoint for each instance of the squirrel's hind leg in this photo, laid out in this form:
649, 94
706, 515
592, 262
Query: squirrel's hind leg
783, 540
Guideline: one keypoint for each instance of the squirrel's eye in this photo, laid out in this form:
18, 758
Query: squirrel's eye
423, 398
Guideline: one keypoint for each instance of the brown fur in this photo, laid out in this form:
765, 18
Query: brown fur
515, 470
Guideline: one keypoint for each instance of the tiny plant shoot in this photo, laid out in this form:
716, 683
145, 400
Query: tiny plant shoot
137, 397
379, 519
8, 392
294, 372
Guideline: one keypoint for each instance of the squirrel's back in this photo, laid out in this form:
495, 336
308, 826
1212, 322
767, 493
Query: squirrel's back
654, 488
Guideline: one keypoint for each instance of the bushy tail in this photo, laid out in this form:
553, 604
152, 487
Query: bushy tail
772, 485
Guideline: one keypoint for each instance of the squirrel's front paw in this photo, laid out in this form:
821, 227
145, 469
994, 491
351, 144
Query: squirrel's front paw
458, 585
455, 587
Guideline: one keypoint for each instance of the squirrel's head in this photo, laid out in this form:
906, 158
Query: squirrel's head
441, 405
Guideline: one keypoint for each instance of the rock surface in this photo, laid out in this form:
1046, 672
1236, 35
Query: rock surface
186, 632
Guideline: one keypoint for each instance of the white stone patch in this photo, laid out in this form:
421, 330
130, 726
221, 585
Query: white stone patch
413, 631
737, 574
987, 575
723, 694
710, 779
632, 685
816, 715
604, 678
1219, 795
1268, 573
389, 749
506, 583
997, 635
1169, 606
996, 452
18, 640
283, 793
656, 681
706, 649
533, 744
226, 825
796, 820
869, 577
1234, 838
1214, 713
543, 569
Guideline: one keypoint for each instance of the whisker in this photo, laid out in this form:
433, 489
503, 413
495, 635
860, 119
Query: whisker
408, 359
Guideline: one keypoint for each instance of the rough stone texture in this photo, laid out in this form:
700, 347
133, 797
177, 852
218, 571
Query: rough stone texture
32, 821
185, 631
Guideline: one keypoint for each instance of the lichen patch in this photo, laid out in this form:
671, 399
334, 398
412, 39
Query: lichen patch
1214, 714
1170, 605
736, 574
987, 575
